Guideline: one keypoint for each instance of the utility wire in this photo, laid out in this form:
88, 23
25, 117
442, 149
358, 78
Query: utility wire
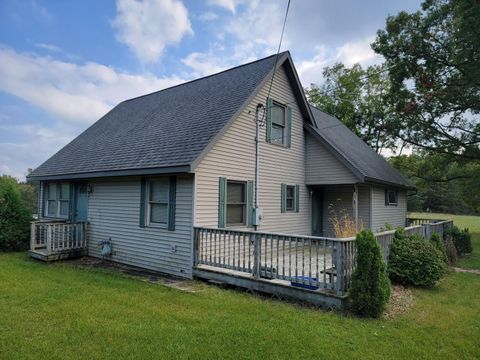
278, 50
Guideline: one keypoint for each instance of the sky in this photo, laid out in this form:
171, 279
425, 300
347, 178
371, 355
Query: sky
64, 64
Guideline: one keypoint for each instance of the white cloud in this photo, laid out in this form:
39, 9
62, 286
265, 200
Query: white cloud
230, 5
146, 27
75, 93
207, 16
49, 47
204, 64
350, 53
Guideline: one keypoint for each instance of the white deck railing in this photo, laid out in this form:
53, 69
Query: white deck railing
57, 236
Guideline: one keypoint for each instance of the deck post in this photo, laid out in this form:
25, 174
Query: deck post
339, 267
49, 238
32, 235
256, 256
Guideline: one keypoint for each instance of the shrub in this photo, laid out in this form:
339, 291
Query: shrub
415, 261
370, 287
450, 250
438, 242
462, 240
14, 217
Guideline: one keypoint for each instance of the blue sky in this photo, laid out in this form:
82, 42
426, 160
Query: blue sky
63, 64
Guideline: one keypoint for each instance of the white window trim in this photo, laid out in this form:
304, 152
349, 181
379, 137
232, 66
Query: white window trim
57, 200
244, 223
149, 223
283, 143
388, 198
293, 198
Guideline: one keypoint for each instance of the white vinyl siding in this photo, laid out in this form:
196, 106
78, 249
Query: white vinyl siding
233, 157
114, 212
382, 214
322, 167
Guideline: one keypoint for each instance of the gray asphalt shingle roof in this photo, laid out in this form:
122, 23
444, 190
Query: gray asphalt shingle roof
366, 162
167, 128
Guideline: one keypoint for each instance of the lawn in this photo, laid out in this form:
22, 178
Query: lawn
60, 311
471, 261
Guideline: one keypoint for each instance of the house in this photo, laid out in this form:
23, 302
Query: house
158, 166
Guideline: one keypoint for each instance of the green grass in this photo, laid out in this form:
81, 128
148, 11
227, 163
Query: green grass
470, 261
58, 311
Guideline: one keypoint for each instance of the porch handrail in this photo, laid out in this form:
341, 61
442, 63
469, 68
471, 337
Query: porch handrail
58, 236
312, 261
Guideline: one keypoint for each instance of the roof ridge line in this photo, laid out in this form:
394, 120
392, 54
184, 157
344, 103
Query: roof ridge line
207, 76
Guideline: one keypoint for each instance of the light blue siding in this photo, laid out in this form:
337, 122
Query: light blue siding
114, 212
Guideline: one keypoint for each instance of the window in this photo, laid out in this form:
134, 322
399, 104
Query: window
290, 198
391, 197
236, 204
158, 200
278, 124
58, 200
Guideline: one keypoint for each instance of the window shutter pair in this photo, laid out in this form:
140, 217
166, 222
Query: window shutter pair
283, 198
288, 125
222, 202
171, 202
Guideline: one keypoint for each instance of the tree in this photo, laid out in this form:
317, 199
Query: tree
14, 217
433, 58
357, 97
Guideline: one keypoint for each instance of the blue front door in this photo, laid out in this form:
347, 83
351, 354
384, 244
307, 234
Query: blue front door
81, 202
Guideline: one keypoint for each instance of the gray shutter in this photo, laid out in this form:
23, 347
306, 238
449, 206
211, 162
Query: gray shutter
171, 203
41, 200
283, 198
386, 197
249, 203
269, 120
297, 198
222, 204
143, 190
289, 126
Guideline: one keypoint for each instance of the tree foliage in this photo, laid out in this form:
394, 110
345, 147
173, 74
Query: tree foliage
357, 97
433, 58
443, 183
14, 217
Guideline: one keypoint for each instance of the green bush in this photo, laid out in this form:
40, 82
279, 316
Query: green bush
370, 287
450, 250
462, 240
437, 240
415, 261
14, 217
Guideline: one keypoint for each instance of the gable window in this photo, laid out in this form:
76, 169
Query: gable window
158, 201
57, 200
278, 124
236, 203
391, 197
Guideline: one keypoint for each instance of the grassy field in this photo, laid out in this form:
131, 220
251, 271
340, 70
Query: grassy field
60, 311
471, 261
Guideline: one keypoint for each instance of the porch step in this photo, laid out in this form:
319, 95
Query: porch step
43, 255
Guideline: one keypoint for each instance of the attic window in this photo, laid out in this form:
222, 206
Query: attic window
278, 124
391, 197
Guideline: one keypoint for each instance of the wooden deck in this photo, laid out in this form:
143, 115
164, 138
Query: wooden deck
59, 240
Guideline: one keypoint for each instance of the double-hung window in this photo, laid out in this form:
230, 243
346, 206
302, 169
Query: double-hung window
57, 200
158, 201
236, 203
391, 197
278, 124
290, 198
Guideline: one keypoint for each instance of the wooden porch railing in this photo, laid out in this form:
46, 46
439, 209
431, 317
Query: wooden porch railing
307, 261
57, 236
